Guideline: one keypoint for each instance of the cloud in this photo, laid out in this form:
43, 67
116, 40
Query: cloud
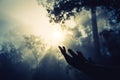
21, 19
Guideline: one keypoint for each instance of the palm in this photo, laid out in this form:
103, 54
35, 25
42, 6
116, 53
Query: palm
75, 60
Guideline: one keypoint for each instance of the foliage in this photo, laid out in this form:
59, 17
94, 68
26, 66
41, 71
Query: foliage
63, 9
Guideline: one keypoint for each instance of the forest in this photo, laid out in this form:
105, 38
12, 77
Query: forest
32, 53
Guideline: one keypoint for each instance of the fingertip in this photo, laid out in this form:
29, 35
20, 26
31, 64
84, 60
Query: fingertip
69, 50
64, 47
59, 46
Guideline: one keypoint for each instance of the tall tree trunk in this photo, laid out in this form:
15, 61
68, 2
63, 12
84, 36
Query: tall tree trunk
95, 32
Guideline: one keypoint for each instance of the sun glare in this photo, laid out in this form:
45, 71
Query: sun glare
52, 35
37, 23
58, 37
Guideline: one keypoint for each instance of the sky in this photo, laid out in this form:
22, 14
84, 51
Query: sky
20, 18
20, 12
26, 17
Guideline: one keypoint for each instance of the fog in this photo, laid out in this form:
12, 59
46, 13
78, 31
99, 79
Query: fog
25, 25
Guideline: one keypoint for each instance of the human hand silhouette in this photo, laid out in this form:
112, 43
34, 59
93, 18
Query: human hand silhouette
96, 71
76, 59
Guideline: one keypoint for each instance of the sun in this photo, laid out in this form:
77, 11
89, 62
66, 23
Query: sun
37, 23
52, 34
58, 37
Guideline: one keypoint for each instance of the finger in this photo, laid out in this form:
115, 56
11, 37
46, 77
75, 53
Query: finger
60, 48
63, 51
80, 55
67, 57
72, 53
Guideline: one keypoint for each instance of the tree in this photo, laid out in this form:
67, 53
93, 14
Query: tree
63, 9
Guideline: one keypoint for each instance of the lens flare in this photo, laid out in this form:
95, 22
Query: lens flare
58, 37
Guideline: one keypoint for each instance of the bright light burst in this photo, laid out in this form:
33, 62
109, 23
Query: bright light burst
54, 35
58, 37
37, 23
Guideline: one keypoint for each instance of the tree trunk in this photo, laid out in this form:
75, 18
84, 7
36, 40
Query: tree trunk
95, 32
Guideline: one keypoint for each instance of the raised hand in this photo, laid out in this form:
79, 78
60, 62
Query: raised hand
76, 59
97, 72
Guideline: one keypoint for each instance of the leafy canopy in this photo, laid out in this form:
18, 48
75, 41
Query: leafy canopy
63, 9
